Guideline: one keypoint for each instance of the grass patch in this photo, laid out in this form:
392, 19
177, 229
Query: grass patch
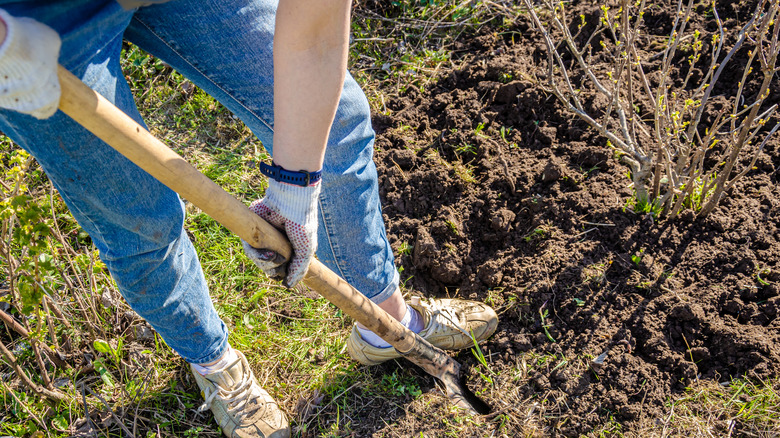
739, 407
402, 44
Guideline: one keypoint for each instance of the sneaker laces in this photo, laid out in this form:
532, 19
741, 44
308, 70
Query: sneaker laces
235, 399
439, 316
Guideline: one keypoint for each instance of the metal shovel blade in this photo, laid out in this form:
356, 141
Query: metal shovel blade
448, 370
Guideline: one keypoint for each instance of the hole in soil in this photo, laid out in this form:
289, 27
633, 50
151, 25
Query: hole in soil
477, 403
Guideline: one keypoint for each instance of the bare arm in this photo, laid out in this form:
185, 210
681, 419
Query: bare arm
311, 44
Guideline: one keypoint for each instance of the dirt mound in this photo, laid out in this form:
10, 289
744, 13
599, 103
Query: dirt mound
493, 192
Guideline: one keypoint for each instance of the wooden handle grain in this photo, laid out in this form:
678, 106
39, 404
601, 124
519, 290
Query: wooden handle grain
102, 118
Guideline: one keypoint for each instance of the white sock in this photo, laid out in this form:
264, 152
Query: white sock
227, 359
411, 320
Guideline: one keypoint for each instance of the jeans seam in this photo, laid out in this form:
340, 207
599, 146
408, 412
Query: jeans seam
207, 77
334, 248
223, 341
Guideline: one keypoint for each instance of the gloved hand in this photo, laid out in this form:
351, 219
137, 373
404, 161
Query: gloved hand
28, 67
292, 209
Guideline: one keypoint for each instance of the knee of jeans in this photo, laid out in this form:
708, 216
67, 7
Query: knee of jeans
157, 261
352, 135
147, 238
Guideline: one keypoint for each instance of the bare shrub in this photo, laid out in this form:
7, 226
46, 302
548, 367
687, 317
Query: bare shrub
684, 146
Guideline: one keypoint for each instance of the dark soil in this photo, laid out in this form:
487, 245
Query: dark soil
536, 224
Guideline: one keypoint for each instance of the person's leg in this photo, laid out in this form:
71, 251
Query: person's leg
226, 49
135, 222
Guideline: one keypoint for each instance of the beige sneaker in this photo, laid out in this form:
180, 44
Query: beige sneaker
241, 407
448, 324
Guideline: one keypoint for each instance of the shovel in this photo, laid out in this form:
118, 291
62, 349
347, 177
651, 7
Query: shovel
114, 127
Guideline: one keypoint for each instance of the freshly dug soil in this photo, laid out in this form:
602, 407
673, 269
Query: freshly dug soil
533, 219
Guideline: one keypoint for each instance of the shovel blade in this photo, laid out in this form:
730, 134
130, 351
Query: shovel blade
437, 363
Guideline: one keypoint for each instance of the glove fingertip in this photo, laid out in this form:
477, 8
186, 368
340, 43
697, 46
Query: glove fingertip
290, 281
296, 275
45, 112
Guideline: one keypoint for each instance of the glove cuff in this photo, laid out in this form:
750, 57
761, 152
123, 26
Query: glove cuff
29, 86
299, 204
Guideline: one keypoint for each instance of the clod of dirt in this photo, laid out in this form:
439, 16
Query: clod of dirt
447, 268
502, 220
404, 158
425, 248
508, 93
552, 171
490, 273
687, 312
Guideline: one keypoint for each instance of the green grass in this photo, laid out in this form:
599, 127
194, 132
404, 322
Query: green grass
402, 44
740, 407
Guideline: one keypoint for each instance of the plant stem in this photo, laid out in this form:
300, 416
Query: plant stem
53, 395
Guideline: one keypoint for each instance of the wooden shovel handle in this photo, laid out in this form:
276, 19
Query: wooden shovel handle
102, 118
118, 130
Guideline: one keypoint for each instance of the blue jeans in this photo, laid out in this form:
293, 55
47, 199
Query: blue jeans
224, 47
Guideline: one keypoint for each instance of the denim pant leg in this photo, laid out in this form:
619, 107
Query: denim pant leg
225, 48
134, 221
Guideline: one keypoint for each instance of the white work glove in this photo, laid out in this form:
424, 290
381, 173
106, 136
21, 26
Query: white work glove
28, 67
292, 209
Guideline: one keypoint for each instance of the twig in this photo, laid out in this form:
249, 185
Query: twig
49, 323
86, 408
292, 318
53, 395
93, 288
140, 396
24, 406
108, 408
55, 309
598, 224
35, 344
584, 233
505, 165
11, 323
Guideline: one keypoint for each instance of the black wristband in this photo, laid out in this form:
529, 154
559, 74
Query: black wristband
301, 178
